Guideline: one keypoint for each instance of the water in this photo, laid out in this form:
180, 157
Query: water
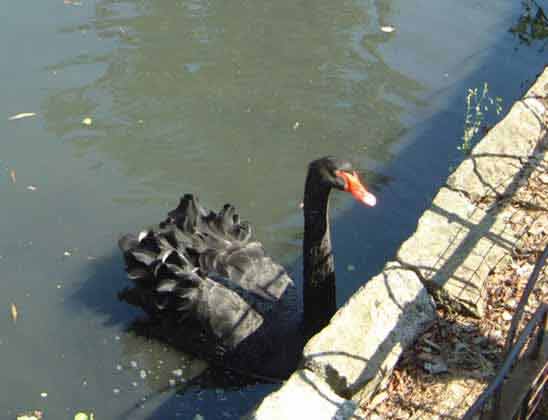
230, 101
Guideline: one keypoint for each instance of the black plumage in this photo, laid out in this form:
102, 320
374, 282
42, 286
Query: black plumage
210, 289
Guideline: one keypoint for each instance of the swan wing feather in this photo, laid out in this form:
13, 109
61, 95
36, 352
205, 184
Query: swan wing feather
170, 266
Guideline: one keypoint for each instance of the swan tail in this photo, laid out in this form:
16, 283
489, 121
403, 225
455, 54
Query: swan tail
164, 266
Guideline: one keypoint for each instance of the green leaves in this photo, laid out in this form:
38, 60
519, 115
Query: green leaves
478, 105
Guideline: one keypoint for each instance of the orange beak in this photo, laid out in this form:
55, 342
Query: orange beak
354, 186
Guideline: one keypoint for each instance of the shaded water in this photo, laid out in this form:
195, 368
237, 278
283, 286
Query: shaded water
228, 100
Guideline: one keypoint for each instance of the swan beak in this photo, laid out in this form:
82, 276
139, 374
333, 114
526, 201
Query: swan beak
354, 186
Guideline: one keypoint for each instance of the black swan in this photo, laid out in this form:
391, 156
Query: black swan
209, 289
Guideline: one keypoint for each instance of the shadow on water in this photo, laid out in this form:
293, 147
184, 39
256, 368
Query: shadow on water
429, 154
99, 291
156, 107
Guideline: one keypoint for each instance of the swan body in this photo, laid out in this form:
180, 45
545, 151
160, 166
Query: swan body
210, 289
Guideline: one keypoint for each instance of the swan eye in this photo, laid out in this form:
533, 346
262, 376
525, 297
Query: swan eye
341, 180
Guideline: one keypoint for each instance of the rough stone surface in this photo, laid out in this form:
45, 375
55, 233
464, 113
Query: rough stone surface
365, 338
304, 396
454, 248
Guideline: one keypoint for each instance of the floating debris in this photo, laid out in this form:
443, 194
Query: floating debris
83, 416
143, 373
388, 29
177, 372
351, 267
31, 188
67, 253
34, 415
87, 121
22, 115
14, 312
12, 176
296, 125
44, 394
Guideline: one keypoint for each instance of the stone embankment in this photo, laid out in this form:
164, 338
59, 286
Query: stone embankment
445, 263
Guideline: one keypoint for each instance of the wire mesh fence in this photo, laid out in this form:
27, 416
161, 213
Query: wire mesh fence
528, 344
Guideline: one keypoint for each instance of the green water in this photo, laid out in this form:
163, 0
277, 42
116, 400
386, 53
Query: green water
139, 102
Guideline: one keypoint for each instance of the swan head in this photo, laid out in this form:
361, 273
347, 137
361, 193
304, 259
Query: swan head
340, 174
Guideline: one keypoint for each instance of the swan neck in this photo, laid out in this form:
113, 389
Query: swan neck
319, 293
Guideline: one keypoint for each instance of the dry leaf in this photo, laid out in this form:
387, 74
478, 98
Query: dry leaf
507, 316
13, 312
12, 176
22, 115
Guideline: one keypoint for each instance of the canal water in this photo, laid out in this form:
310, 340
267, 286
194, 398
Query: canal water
110, 110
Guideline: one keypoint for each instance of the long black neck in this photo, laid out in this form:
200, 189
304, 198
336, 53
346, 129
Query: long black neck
319, 292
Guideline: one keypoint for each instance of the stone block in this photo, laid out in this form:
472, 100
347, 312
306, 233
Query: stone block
303, 396
365, 338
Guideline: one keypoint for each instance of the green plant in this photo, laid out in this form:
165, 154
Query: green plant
478, 105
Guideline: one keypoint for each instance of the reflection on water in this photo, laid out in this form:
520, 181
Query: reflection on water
229, 101
532, 25
220, 99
